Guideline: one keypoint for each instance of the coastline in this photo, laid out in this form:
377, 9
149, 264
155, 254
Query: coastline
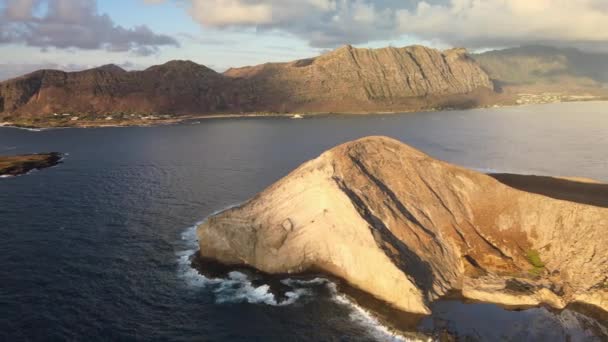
523, 287
303, 114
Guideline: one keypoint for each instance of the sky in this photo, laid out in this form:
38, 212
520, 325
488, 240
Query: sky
135, 34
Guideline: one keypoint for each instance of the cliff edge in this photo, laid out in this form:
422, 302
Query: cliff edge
408, 229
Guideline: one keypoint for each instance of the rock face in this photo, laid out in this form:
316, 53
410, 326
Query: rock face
175, 87
408, 229
346, 79
21, 164
358, 79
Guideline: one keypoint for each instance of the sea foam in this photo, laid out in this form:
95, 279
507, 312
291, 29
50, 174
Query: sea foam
237, 287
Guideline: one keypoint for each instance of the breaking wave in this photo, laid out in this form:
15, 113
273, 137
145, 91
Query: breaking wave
365, 318
237, 287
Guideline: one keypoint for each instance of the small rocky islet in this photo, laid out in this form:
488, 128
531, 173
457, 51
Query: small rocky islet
409, 230
22, 164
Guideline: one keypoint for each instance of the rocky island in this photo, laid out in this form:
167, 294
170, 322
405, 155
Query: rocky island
409, 229
21, 164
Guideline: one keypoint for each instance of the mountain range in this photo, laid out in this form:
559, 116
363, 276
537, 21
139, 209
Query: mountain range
347, 79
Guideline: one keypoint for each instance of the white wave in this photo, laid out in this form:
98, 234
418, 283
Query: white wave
6, 176
305, 282
189, 237
363, 317
358, 315
238, 288
192, 277
31, 129
574, 321
189, 245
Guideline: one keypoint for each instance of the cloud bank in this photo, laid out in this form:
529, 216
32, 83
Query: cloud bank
73, 24
469, 23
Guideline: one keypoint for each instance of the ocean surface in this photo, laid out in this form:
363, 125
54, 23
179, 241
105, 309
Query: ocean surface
99, 247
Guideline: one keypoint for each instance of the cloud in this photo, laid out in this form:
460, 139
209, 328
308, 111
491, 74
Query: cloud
324, 23
469, 23
197, 39
73, 24
493, 23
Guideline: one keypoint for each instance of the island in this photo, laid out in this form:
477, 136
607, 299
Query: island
21, 164
410, 229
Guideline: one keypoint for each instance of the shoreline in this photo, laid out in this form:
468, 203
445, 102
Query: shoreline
195, 117
17, 165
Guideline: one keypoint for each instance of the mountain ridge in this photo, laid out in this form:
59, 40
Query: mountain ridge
343, 80
541, 64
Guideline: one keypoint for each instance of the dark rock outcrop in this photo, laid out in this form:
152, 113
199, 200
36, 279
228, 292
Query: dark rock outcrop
21, 164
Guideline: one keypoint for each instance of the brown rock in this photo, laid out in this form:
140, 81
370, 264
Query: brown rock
366, 79
343, 80
408, 229
175, 87
20, 164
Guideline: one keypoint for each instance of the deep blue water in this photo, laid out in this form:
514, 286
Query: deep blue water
97, 248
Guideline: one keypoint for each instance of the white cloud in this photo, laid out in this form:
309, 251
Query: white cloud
324, 23
231, 12
73, 24
488, 23
469, 23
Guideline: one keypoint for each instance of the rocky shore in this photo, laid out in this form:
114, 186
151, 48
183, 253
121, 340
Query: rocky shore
21, 164
409, 229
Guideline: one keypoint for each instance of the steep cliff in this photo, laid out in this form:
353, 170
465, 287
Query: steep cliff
354, 79
408, 229
347, 79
